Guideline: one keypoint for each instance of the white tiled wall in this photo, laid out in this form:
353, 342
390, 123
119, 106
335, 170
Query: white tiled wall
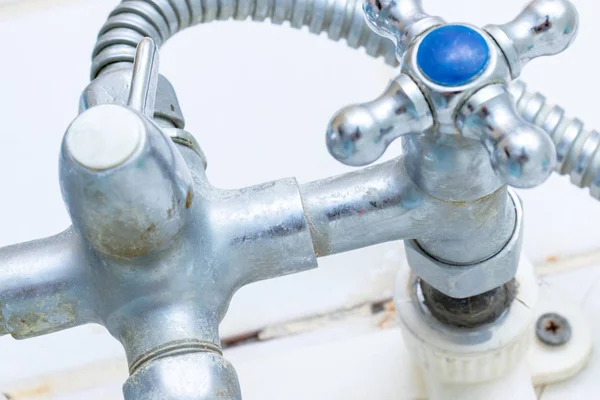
258, 98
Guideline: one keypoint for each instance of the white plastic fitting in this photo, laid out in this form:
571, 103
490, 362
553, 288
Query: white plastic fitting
488, 362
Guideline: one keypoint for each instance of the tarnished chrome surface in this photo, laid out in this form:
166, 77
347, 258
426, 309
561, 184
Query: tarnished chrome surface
545, 27
434, 161
183, 138
144, 81
445, 100
360, 134
400, 21
113, 87
491, 217
521, 154
100, 174
185, 377
461, 280
382, 203
156, 252
44, 286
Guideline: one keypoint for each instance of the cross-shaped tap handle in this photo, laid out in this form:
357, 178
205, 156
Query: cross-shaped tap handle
454, 81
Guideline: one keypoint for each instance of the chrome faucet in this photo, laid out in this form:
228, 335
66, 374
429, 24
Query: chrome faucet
155, 252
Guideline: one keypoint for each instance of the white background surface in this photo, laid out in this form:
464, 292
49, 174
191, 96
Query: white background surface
258, 98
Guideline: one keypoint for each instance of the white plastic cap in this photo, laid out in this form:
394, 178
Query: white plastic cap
104, 137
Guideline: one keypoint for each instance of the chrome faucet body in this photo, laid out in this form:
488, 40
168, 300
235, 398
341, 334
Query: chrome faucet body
155, 252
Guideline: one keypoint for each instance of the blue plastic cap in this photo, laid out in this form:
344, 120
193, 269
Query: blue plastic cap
453, 55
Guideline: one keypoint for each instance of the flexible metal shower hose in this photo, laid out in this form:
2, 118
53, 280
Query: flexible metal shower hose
132, 20
578, 149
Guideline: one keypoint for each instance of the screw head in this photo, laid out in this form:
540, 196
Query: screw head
553, 329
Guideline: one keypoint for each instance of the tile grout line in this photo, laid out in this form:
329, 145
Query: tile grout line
556, 265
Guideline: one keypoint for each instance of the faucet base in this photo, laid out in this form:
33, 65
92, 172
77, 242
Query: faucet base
495, 358
467, 356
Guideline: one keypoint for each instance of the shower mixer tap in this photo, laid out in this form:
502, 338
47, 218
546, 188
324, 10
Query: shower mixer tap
155, 252
454, 81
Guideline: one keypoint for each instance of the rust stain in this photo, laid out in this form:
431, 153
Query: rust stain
132, 252
123, 238
389, 316
552, 259
189, 199
240, 339
386, 321
485, 111
543, 27
149, 233
34, 322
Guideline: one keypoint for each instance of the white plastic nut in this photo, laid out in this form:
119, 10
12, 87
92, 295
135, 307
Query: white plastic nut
468, 356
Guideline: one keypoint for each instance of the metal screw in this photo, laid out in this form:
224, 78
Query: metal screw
553, 329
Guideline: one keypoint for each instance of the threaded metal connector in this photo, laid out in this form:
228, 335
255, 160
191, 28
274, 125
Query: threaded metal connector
578, 149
